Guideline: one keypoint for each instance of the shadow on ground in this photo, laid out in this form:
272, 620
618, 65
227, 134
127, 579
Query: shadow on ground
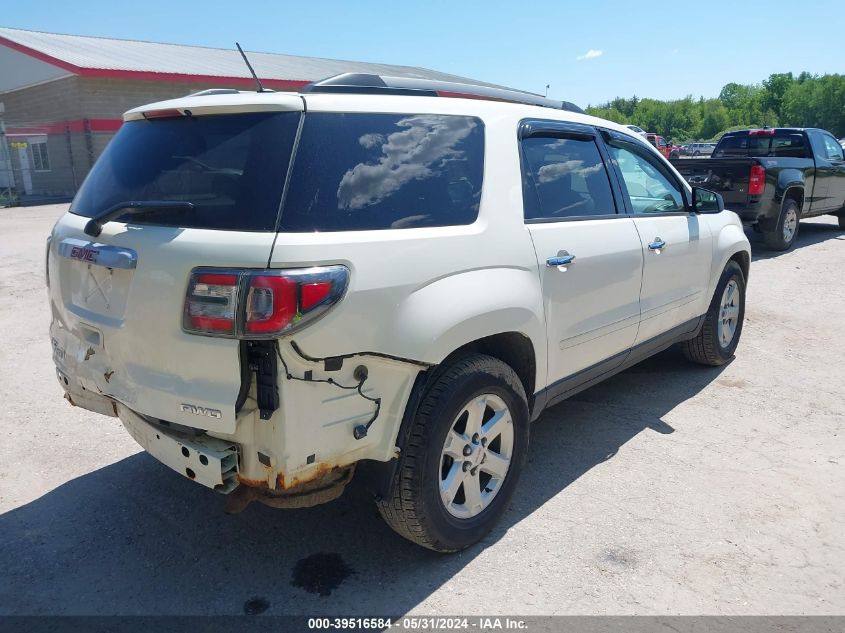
135, 538
809, 233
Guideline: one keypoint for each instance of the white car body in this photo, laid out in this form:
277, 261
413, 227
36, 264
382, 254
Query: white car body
414, 297
637, 130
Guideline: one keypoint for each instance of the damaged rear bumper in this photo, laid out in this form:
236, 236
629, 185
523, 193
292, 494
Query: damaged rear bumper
303, 454
207, 460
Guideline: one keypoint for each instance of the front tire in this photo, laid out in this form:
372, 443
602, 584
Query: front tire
463, 457
786, 230
841, 219
719, 336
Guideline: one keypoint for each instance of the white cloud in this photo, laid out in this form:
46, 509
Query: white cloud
590, 54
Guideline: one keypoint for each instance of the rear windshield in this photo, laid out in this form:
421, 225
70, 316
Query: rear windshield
351, 171
231, 168
385, 171
778, 144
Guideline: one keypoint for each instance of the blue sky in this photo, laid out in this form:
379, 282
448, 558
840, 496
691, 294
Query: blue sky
588, 51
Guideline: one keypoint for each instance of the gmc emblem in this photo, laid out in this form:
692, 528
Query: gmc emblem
195, 410
84, 254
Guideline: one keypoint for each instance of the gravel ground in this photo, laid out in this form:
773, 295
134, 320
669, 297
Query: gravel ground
669, 489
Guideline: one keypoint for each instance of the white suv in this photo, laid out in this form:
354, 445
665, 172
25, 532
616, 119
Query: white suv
273, 291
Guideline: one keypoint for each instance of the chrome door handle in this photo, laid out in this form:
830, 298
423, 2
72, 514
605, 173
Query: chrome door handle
656, 245
560, 260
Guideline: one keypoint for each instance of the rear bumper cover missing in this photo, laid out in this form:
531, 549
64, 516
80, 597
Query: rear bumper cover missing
207, 460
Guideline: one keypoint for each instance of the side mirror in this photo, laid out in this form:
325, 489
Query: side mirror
706, 201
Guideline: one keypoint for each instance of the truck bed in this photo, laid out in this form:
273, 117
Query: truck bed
727, 176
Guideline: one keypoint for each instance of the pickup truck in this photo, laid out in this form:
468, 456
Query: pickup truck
773, 177
663, 146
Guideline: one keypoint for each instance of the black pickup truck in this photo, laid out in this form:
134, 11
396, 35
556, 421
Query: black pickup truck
773, 177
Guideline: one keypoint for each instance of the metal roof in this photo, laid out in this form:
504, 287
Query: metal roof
102, 56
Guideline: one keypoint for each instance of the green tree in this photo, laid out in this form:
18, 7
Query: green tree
775, 88
783, 99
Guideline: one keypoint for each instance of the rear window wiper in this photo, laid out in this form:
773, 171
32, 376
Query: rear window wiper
95, 225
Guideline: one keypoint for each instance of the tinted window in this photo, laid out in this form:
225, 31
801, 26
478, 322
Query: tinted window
779, 144
231, 167
650, 188
382, 171
564, 177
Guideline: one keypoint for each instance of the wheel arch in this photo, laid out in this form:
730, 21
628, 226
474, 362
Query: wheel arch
794, 192
515, 349
744, 260
730, 244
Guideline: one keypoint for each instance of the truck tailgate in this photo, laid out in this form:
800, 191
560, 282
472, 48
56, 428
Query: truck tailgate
727, 176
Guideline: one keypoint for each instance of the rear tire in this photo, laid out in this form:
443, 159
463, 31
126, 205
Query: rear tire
786, 230
716, 342
842, 221
444, 496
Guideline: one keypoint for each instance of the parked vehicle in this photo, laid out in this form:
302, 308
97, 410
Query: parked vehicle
637, 130
663, 146
773, 177
685, 150
274, 291
701, 149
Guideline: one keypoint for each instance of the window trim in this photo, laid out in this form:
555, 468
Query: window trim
658, 162
549, 128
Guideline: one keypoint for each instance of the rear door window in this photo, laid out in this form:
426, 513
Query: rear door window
230, 167
564, 178
385, 171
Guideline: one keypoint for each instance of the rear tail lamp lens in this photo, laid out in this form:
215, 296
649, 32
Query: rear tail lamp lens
260, 304
211, 304
270, 304
757, 180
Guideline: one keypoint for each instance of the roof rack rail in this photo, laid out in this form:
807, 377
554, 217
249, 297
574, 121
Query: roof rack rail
361, 83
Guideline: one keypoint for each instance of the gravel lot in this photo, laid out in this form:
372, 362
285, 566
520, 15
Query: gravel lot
670, 489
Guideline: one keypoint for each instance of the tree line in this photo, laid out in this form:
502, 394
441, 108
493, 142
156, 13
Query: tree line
781, 100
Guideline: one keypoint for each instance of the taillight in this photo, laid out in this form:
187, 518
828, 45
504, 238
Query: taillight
270, 304
211, 304
766, 131
757, 180
260, 303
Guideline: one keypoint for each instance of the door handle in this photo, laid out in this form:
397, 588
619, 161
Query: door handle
560, 260
657, 244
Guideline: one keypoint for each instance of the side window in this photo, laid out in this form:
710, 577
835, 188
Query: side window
564, 178
362, 171
818, 145
834, 149
651, 190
